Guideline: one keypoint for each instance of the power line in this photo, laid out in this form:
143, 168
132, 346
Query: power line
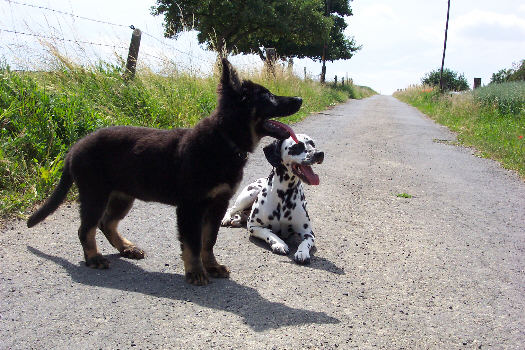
93, 20
61, 39
69, 14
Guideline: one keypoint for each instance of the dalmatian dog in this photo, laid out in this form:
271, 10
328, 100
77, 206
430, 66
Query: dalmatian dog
275, 208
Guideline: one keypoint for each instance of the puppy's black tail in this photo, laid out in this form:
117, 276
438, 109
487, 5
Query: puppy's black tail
56, 198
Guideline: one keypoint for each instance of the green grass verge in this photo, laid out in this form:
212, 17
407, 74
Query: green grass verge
43, 114
490, 119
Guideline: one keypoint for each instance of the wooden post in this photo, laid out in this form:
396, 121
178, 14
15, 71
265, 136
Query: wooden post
304, 73
335, 81
343, 81
477, 83
271, 57
133, 54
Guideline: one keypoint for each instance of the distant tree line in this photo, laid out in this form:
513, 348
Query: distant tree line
516, 73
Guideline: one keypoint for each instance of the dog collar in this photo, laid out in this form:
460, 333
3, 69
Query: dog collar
243, 155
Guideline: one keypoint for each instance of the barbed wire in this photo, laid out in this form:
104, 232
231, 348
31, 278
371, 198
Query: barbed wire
68, 14
59, 38
162, 41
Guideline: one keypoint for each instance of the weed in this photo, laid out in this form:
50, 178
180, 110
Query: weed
490, 119
43, 113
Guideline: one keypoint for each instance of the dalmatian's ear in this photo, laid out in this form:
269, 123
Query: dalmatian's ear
272, 152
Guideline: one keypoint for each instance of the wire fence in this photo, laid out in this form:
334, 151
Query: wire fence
156, 53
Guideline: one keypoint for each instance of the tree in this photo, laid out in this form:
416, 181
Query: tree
516, 73
297, 28
501, 76
452, 81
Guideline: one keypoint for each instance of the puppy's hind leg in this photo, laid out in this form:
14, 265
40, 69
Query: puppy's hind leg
91, 209
118, 206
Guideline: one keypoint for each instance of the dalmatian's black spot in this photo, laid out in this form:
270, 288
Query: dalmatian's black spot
259, 221
262, 202
270, 217
255, 211
297, 149
305, 226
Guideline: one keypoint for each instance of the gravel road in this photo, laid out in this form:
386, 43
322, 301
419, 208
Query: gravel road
444, 269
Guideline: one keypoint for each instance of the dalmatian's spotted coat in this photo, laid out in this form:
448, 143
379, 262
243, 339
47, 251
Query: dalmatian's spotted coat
275, 207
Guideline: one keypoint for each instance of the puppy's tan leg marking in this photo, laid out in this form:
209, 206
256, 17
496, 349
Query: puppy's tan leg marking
126, 248
93, 257
194, 271
211, 265
118, 206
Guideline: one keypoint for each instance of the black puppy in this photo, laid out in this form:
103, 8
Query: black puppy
197, 170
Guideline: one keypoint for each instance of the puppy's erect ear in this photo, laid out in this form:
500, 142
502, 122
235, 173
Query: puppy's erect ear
272, 152
229, 77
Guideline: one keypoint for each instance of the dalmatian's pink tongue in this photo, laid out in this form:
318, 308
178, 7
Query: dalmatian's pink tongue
280, 125
311, 177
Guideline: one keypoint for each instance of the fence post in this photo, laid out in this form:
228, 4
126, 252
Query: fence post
271, 57
477, 83
335, 81
343, 81
304, 73
133, 54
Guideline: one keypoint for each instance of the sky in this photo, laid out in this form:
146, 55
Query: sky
401, 40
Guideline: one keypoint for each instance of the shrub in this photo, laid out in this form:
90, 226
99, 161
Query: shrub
452, 81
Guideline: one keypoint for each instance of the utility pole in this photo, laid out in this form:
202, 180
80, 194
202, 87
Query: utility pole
444, 49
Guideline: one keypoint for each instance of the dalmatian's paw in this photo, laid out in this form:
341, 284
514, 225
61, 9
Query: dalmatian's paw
227, 220
302, 257
280, 248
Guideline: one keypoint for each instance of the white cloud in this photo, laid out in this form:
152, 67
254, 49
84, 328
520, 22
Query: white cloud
491, 25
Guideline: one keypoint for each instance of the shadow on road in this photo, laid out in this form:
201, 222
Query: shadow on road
317, 263
223, 294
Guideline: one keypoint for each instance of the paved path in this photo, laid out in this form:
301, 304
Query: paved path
444, 269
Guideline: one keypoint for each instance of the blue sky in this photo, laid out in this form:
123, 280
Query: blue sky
402, 39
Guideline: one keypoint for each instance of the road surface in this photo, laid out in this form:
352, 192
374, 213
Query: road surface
444, 269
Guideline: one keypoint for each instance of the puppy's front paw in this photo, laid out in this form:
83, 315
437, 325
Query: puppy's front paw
197, 278
302, 257
280, 248
218, 271
97, 262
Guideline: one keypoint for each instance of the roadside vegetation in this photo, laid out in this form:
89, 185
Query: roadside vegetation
490, 119
43, 113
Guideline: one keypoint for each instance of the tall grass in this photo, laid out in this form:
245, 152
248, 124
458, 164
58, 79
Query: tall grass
43, 113
490, 119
